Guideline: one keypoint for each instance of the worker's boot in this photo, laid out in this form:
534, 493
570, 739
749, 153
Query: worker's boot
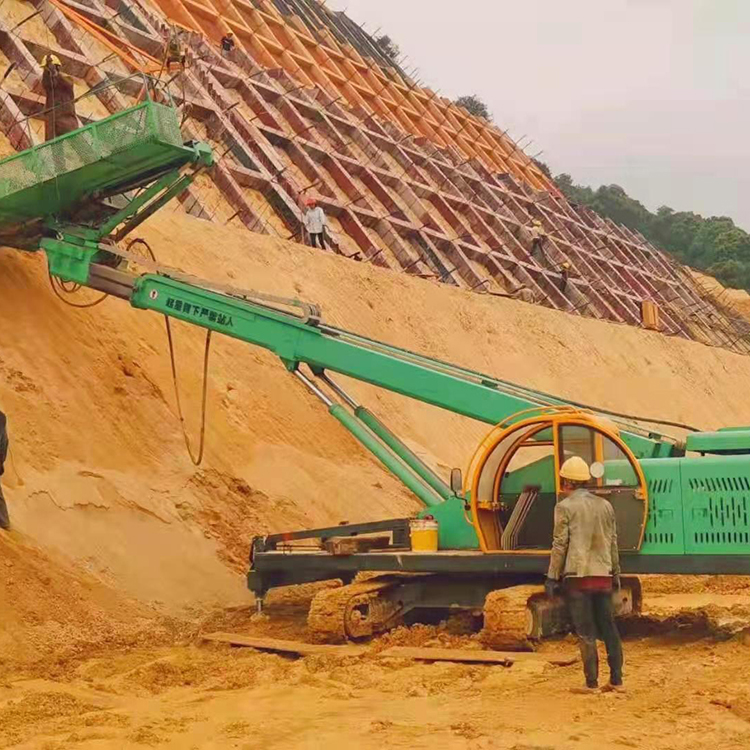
586, 690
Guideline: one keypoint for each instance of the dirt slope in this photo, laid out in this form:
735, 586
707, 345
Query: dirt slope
733, 299
100, 474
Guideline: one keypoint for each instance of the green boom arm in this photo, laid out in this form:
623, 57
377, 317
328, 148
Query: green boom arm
94, 185
137, 157
461, 391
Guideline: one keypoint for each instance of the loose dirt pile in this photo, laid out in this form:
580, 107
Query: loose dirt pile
53, 612
733, 299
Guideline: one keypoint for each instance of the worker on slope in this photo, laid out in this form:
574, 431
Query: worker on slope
315, 223
4, 517
538, 238
176, 54
585, 556
227, 44
59, 109
564, 276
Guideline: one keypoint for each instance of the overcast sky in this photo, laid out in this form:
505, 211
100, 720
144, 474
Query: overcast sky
650, 94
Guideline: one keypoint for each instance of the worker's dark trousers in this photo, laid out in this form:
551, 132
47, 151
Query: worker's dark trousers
4, 518
537, 251
593, 617
317, 237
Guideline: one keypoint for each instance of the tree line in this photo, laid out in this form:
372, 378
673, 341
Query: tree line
715, 244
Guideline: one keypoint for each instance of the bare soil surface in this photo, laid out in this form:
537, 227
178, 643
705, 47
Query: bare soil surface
686, 683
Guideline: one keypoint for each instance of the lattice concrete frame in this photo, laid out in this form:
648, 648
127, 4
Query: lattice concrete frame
403, 195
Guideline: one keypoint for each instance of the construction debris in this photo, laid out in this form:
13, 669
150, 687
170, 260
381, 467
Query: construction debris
348, 545
469, 656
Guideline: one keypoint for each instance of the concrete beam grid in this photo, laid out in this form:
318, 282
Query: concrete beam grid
439, 208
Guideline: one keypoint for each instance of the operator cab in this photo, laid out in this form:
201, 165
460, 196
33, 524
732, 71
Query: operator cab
515, 481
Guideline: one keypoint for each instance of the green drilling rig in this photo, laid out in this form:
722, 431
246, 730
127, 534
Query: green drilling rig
681, 505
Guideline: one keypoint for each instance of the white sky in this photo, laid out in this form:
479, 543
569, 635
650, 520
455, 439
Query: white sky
653, 95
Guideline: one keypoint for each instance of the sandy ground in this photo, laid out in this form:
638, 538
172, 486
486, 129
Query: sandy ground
123, 551
99, 471
687, 687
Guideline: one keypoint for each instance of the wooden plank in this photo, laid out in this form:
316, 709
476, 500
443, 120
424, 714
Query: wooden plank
506, 658
288, 647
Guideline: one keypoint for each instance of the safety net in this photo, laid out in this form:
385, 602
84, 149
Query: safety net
61, 171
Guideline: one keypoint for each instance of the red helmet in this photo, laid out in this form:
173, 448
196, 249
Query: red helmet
310, 201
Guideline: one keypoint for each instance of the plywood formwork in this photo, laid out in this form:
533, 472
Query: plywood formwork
308, 105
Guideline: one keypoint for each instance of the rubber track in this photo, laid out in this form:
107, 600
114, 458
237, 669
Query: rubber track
505, 618
326, 619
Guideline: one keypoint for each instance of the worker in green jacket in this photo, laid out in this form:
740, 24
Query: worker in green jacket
585, 557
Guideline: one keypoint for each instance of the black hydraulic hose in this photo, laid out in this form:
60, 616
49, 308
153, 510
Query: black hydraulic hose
539, 397
58, 294
622, 415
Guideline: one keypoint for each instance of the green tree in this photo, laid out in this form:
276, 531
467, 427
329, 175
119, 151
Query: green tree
474, 106
731, 273
573, 192
542, 167
613, 202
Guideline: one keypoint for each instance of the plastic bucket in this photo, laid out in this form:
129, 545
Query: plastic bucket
424, 535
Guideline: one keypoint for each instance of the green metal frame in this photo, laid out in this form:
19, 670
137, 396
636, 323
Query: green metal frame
136, 154
404, 453
463, 392
684, 518
727, 442
390, 460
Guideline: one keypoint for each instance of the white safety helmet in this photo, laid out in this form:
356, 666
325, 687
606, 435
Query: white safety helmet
575, 469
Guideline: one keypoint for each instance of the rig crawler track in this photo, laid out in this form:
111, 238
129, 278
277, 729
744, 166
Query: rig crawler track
358, 610
516, 615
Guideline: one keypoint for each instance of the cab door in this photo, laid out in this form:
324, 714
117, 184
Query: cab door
512, 477
616, 476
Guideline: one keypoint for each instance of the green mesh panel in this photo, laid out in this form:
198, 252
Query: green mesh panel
50, 177
166, 125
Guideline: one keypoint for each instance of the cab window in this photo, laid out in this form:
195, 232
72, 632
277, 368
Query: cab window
596, 447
